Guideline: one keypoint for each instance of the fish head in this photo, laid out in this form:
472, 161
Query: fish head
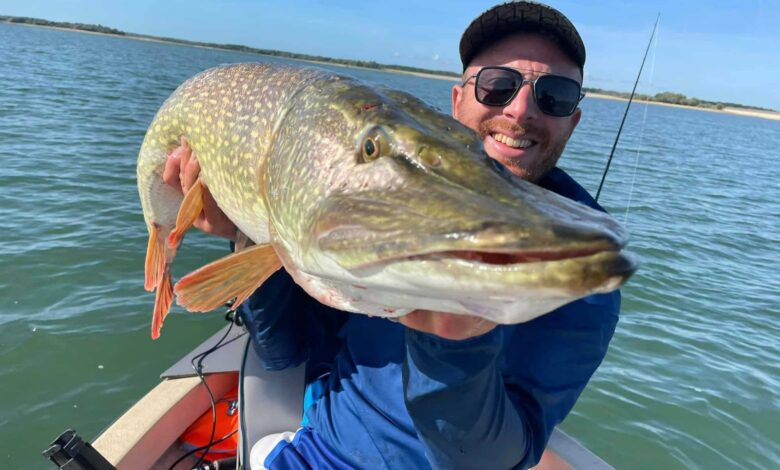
386, 205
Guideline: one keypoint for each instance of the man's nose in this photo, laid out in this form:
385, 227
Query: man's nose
522, 107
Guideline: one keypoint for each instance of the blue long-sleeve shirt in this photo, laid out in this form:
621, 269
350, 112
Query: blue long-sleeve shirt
391, 397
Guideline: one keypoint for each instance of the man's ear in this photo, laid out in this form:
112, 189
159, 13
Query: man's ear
457, 94
574, 119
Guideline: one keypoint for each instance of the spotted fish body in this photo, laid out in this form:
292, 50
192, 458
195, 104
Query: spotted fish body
232, 139
373, 202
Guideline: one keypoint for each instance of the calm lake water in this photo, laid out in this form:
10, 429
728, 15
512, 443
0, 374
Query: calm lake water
692, 378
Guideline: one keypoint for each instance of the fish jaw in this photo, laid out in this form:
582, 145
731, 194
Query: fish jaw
372, 228
503, 294
388, 259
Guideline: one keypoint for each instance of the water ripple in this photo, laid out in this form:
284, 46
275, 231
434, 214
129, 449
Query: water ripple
692, 379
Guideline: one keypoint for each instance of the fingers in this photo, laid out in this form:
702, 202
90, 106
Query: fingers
212, 220
181, 168
173, 168
190, 169
447, 325
181, 172
188, 165
178, 159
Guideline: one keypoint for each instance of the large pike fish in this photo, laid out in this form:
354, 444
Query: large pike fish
373, 202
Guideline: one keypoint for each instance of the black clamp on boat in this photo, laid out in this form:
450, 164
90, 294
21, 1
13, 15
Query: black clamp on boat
70, 452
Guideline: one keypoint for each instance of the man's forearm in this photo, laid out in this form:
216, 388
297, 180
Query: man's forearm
456, 397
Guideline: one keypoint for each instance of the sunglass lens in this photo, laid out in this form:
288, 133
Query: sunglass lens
557, 96
495, 87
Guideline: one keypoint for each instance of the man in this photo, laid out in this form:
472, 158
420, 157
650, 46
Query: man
436, 389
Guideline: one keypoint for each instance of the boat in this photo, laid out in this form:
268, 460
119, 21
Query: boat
149, 434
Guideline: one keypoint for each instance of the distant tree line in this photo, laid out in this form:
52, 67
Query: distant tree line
675, 98
96, 28
664, 97
370, 64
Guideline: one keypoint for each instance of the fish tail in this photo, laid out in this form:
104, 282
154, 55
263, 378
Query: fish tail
162, 302
154, 266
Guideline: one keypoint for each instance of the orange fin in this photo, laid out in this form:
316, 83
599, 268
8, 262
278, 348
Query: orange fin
235, 276
190, 209
163, 300
154, 265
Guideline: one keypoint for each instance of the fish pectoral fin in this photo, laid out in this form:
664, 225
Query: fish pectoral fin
190, 209
235, 276
154, 266
163, 300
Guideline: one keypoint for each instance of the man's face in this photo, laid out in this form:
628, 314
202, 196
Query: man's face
539, 139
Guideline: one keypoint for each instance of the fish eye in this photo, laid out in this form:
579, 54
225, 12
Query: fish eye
374, 145
371, 148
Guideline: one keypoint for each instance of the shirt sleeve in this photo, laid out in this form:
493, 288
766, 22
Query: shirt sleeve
497, 397
456, 398
288, 327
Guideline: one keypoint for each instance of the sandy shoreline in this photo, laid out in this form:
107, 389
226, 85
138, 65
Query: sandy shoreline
775, 116
739, 111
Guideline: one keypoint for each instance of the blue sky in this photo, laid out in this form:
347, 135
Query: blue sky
715, 49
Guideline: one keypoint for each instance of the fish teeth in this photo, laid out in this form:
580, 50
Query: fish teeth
514, 143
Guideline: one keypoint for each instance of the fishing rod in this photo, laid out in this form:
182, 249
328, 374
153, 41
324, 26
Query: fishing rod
625, 114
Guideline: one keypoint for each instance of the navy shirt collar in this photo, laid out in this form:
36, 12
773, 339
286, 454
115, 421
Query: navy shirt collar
559, 182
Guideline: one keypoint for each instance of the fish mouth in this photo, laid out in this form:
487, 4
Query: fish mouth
507, 286
344, 246
505, 258
574, 271
582, 268
443, 241
485, 245
577, 266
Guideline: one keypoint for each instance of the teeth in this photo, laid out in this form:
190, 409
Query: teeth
514, 143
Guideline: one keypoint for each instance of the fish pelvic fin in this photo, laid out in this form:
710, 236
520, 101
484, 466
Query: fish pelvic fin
163, 300
154, 265
190, 209
235, 276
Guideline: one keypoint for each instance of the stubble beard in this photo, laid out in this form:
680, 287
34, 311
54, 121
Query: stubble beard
548, 154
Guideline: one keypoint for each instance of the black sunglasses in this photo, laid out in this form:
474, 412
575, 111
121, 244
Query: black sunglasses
554, 95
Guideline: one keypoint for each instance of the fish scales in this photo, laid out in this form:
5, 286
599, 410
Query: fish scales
229, 116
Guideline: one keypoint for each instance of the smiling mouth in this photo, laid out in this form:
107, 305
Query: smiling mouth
511, 142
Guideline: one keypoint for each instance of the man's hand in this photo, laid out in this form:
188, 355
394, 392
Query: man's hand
181, 172
447, 325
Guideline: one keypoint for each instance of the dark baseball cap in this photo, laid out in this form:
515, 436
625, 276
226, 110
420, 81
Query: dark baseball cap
521, 17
